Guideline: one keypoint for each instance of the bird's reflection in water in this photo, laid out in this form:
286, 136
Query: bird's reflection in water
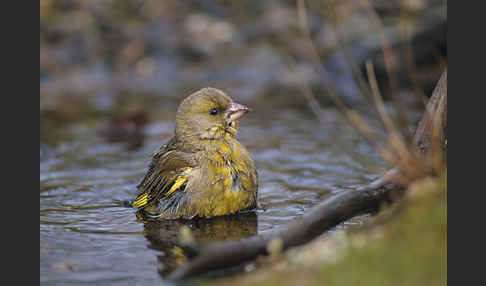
164, 235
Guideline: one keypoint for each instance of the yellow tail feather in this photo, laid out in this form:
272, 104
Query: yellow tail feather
141, 201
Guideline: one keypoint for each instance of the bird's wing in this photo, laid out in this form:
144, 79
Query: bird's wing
167, 174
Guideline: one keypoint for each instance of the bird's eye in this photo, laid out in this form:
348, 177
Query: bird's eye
213, 111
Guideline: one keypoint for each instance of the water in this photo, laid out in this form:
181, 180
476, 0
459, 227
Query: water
87, 236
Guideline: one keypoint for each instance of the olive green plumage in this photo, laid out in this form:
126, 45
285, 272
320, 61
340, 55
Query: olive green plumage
203, 171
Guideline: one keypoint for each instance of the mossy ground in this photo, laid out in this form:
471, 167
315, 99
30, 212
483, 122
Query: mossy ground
404, 245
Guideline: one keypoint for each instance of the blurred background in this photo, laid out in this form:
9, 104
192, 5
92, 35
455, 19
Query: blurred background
96, 52
112, 74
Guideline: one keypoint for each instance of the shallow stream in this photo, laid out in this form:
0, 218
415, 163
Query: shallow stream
87, 236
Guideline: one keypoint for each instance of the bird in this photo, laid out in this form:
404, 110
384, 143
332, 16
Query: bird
203, 171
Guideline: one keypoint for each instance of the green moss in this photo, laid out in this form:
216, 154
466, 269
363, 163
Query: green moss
412, 251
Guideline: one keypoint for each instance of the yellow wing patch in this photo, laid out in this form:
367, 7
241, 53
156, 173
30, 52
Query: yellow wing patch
179, 181
143, 199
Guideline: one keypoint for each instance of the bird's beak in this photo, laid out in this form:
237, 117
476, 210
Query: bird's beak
236, 111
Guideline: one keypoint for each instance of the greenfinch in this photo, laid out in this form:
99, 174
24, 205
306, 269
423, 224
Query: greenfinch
203, 171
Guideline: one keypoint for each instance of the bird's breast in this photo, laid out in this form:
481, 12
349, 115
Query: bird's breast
225, 175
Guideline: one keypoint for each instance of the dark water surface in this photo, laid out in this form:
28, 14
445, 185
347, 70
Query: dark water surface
88, 237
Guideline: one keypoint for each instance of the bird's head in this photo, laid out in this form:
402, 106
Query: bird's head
208, 114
